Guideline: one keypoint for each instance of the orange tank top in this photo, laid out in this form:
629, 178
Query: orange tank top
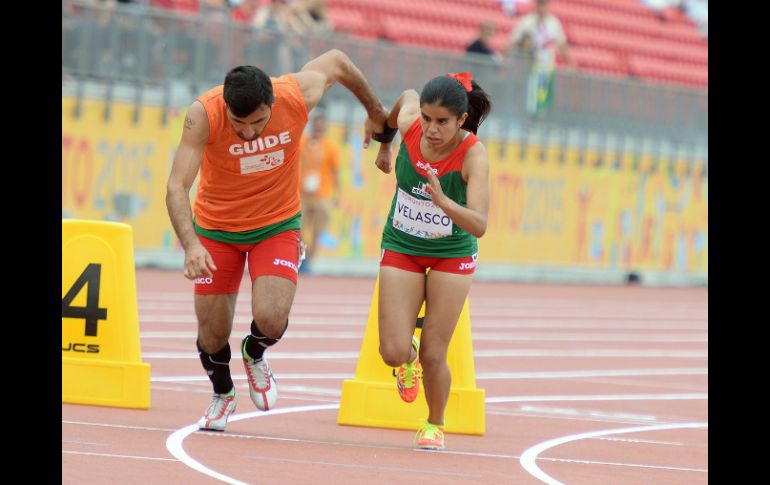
246, 185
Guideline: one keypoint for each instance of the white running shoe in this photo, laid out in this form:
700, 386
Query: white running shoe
221, 407
262, 387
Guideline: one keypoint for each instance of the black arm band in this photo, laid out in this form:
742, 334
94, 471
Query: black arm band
386, 136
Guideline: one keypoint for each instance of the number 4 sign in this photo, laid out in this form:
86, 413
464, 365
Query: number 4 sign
101, 355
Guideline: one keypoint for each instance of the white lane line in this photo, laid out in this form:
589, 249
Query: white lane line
587, 412
602, 397
479, 376
91, 443
614, 353
546, 300
509, 311
243, 320
108, 455
633, 440
371, 467
475, 300
658, 384
577, 353
365, 445
659, 467
174, 441
480, 336
289, 393
119, 426
583, 419
530, 455
239, 377
273, 355
589, 337
677, 371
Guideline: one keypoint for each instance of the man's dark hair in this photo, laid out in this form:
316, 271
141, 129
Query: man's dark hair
246, 89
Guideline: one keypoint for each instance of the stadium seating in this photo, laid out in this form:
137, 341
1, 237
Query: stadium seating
607, 37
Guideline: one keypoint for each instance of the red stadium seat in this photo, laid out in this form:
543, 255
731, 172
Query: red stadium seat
612, 37
667, 72
599, 60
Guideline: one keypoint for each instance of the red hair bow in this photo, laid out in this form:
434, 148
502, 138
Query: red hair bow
464, 78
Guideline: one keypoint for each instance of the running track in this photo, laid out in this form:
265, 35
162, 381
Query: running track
584, 385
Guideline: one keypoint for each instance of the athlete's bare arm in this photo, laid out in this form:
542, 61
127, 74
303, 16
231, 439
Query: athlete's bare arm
334, 66
405, 110
473, 217
187, 162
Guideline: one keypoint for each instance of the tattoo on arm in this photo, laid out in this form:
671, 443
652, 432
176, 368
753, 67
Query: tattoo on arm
188, 122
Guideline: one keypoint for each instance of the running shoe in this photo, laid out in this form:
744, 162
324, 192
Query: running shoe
409, 374
262, 387
429, 437
221, 407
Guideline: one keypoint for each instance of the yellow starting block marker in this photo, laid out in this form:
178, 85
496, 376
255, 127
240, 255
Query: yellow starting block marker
371, 399
101, 355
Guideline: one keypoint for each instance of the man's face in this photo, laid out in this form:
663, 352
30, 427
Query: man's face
250, 127
542, 8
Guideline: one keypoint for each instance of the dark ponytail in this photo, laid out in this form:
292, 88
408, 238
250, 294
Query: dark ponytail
450, 93
479, 107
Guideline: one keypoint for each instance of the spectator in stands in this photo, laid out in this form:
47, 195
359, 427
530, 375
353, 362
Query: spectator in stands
245, 10
278, 15
313, 15
509, 6
546, 35
277, 23
482, 45
319, 190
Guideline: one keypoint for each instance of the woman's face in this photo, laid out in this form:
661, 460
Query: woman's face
439, 124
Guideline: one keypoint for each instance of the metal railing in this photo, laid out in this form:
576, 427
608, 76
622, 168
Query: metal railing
173, 55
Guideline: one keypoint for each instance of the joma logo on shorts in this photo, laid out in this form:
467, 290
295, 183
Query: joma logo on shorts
283, 262
203, 280
470, 265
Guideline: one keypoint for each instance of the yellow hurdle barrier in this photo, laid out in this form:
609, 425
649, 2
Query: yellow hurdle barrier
371, 399
101, 355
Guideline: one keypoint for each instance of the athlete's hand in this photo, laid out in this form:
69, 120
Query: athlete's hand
198, 262
384, 157
370, 128
434, 188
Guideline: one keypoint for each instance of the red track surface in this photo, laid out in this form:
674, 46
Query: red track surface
575, 359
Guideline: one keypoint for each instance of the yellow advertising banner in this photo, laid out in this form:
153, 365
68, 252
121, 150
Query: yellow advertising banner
573, 210
116, 170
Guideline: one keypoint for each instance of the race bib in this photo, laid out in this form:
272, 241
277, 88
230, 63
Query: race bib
311, 182
420, 218
262, 162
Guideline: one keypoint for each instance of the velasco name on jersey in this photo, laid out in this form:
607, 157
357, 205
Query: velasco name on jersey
260, 144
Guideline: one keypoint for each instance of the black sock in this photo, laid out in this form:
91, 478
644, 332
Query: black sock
257, 343
217, 367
